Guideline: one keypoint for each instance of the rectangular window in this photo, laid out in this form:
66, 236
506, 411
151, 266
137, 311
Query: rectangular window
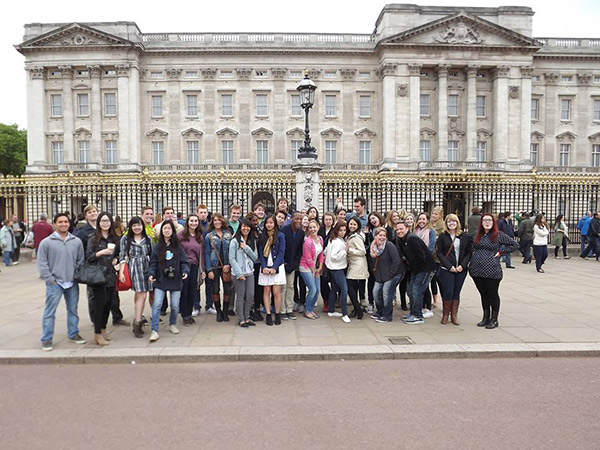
58, 152
157, 106
296, 144
364, 75
191, 105
192, 152
330, 109
480, 106
535, 109
365, 106
84, 151
425, 104
296, 109
565, 109
481, 151
330, 152
227, 151
452, 150
83, 104
295, 74
596, 110
364, 155
191, 74
226, 74
156, 74
111, 152
262, 109
567, 79
56, 101
595, 155
453, 105
564, 159
110, 104
158, 152
262, 152
425, 150
227, 105
533, 153
329, 74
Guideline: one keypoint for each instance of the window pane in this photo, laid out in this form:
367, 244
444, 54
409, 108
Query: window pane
84, 151
565, 149
533, 153
262, 152
227, 104
330, 110
261, 105
192, 105
481, 151
110, 104
565, 109
425, 105
425, 150
595, 155
296, 144
158, 152
480, 106
111, 152
56, 105
296, 109
535, 105
330, 152
192, 152
57, 152
365, 152
227, 151
596, 109
365, 106
157, 106
453, 105
83, 106
452, 150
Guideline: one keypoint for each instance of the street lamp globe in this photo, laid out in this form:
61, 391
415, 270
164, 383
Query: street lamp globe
307, 88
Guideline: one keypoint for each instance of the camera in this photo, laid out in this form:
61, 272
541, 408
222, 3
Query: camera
169, 272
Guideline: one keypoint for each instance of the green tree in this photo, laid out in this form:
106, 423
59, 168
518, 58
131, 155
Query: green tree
13, 150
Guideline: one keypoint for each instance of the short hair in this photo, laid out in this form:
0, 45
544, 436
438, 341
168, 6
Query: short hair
86, 209
167, 208
283, 199
279, 211
201, 206
258, 205
146, 208
476, 210
59, 215
43, 216
234, 206
379, 230
179, 215
362, 200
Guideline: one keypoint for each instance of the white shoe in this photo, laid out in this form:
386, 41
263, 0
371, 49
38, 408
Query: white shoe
370, 309
334, 314
211, 311
15, 263
427, 313
346, 319
154, 336
173, 329
195, 312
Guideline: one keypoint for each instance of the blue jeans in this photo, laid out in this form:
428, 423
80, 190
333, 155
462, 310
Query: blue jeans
338, 283
584, 242
452, 284
592, 248
7, 260
507, 260
383, 294
418, 284
53, 294
159, 296
314, 288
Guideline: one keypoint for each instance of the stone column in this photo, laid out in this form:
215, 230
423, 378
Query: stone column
387, 73
442, 112
307, 185
68, 113
472, 112
277, 110
175, 148
123, 112
96, 116
583, 107
526, 73
548, 154
414, 71
135, 124
500, 140
36, 109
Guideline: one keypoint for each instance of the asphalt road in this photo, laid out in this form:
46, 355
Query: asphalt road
540, 403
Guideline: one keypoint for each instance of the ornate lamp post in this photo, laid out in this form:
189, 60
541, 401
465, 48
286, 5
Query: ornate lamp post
307, 89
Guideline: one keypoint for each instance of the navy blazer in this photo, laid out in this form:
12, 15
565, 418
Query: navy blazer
277, 252
294, 246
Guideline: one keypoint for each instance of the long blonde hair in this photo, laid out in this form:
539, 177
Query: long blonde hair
458, 225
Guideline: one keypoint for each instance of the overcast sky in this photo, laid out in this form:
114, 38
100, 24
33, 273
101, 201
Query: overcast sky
575, 18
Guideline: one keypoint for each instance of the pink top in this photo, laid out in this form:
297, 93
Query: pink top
309, 252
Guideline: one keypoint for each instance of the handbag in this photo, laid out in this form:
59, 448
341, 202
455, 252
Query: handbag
226, 276
125, 286
90, 274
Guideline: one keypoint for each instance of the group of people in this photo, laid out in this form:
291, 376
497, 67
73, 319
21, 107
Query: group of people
270, 268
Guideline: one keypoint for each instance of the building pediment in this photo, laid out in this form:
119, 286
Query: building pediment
191, 132
483, 134
82, 132
427, 133
461, 29
296, 131
537, 136
262, 131
331, 132
227, 132
594, 137
365, 132
157, 132
566, 136
74, 35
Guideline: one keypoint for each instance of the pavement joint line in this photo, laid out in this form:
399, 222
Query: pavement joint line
296, 353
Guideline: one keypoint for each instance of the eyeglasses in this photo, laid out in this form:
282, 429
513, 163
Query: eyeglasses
487, 220
105, 221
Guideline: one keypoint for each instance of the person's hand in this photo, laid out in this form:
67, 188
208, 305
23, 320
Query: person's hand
184, 276
122, 278
106, 251
211, 275
453, 269
242, 245
152, 279
203, 275
242, 278
266, 271
226, 269
459, 269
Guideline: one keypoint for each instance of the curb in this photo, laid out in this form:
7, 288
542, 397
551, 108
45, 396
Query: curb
296, 353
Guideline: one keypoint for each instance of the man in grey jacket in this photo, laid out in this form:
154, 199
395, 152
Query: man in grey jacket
525, 234
59, 256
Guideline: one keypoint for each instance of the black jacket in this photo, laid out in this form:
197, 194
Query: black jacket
443, 245
387, 265
157, 270
293, 247
594, 230
416, 254
104, 260
85, 233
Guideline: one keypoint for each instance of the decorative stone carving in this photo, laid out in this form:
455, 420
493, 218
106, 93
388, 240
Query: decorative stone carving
484, 134
227, 132
502, 71
244, 73
173, 73
427, 133
442, 70
414, 70
314, 73
296, 131
513, 92
66, 71
472, 70
110, 135
78, 39
348, 74
365, 132
566, 136
94, 71
584, 78
387, 69
122, 70
209, 74
331, 132
279, 73
551, 78
192, 132
157, 132
82, 133
36, 72
594, 137
262, 131
460, 33
537, 136
526, 71
402, 90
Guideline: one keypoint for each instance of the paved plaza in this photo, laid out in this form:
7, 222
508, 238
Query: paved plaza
559, 307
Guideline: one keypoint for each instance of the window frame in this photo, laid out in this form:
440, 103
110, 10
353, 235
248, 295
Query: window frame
56, 106
227, 151
194, 152
425, 105
451, 150
262, 154
330, 108
108, 105
367, 107
158, 153
156, 106
364, 150
453, 96
110, 150
191, 110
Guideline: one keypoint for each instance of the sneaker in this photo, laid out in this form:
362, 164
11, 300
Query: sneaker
567, 257
144, 321
173, 329
212, 311
291, 316
370, 309
77, 339
163, 313
375, 316
47, 346
123, 322
285, 316
186, 322
405, 316
382, 320
346, 319
160, 320
15, 263
301, 308
427, 313
154, 336
412, 320
334, 314
195, 312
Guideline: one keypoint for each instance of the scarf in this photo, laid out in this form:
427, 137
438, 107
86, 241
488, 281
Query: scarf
269, 244
377, 250
423, 233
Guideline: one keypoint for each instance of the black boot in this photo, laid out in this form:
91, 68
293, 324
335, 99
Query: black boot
225, 309
217, 306
493, 323
353, 314
486, 318
269, 319
277, 319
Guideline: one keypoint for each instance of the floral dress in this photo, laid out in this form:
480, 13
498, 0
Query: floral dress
138, 259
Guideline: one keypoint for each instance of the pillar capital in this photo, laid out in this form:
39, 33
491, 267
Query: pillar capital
415, 70
442, 70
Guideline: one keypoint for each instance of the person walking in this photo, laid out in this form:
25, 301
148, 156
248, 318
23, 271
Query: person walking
474, 220
271, 251
19, 230
593, 235
583, 226
136, 248
525, 234
560, 239
216, 247
540, 241
506, 226
358, 269
7, 242
311, 267
169, 267
388, 269
453, 249
192, 242
243, 253
489, 245
59, 256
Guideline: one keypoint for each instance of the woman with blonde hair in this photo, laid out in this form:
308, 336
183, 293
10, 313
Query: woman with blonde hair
391, 219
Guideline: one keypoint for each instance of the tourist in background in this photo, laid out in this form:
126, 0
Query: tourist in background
540, 241
7, 242
506, 226
594, 237
41, 230
583, 226
525, 234
560, 239
474, 220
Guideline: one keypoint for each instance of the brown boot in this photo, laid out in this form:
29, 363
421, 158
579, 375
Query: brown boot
454, 312
137, 329
225, 308
99, 339
105, 335
447, 306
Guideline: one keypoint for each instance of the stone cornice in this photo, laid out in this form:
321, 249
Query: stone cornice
442, 70
122, 70
527, 71
66, 71
585, 78
94, 71
501, 71
173, 73
244, 73
414, 70
472, 70
36, 72
279, 73
551, 77
386, 69
348, 74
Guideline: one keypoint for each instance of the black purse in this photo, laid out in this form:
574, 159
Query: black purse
91, 274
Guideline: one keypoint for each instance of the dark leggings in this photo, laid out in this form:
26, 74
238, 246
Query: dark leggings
258, 289
564, 247
353, 288
216, 283
189, 294
325, 289
102, 300
371, 286
488, 290
299, 289
403, 286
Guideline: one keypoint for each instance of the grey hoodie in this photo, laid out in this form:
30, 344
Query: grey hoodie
58, 259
